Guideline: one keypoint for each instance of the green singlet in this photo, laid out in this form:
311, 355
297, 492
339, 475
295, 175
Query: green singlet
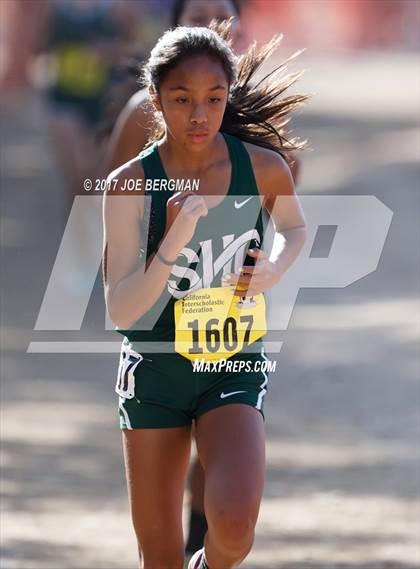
162, 388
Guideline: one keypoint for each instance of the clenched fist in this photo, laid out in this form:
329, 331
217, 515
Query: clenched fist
183, 210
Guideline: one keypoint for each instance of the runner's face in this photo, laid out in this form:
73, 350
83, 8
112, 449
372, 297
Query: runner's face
201, 12
192, 99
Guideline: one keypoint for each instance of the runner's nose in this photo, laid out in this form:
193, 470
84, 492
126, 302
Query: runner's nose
198, 115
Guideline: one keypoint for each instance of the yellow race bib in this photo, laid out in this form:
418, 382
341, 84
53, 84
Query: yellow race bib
80, 71
213, 324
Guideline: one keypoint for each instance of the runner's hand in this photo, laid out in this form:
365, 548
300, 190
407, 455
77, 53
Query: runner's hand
183, 210
254, 280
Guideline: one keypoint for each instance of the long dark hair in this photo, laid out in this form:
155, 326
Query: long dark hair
256, 112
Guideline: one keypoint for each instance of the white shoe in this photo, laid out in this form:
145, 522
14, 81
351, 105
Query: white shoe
196, 560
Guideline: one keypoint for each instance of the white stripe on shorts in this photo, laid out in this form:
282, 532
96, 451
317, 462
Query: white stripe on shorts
264, 383
124, 412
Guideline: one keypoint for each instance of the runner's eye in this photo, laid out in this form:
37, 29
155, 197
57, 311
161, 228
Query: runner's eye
182, 100
215, 99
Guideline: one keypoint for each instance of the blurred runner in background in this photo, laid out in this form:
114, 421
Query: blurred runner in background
83, 40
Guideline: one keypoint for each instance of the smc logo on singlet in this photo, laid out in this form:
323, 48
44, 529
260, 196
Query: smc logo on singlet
233, 250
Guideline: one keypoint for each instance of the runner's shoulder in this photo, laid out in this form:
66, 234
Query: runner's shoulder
265, 158
271, 170
139, 108
127, 179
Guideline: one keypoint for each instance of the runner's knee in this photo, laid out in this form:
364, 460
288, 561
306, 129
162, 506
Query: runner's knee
232, 529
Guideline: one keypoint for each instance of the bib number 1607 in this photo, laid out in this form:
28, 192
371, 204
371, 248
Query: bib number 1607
215, 333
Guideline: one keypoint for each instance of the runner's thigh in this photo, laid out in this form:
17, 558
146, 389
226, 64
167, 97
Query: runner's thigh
231, 446
156, 462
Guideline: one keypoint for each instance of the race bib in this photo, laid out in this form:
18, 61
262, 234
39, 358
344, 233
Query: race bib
80, 71
213, 324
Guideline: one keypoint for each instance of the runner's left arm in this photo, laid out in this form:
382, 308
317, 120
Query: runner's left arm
275, 184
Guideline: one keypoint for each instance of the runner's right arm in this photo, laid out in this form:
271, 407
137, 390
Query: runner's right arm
130, 289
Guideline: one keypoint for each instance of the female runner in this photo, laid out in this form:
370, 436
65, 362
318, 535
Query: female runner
220, 128
130, 136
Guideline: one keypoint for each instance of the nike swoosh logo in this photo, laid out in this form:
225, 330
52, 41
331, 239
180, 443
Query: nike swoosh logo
240, 204
223, 395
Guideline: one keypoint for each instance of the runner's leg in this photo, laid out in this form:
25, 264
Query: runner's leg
156, 462
231, 446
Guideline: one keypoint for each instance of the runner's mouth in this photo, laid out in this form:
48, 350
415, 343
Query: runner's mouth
198, 136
